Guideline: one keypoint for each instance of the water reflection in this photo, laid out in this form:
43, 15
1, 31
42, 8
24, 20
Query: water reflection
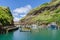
21, 35
8, 36
42, 35
54, 32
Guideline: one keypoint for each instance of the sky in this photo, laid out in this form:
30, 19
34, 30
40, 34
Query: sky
19, 8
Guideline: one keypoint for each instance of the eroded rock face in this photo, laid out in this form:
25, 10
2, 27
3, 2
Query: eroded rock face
53, 0
6, 17
51, 8
43, 13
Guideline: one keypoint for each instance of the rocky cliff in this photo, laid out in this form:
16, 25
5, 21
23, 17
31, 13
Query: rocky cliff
43, 14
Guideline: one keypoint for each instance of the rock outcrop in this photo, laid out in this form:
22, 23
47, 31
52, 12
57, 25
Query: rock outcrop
44, 14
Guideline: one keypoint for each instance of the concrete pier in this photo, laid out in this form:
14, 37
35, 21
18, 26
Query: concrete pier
7, 29
11, 29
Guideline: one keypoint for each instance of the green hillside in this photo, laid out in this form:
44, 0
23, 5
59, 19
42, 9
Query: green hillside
6, 17
45, 13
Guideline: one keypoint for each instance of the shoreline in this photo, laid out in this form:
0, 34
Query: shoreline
7, 29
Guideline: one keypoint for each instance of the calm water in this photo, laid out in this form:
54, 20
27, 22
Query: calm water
42, 35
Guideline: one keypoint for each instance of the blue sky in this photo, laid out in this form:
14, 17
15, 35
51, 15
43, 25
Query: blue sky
20, 8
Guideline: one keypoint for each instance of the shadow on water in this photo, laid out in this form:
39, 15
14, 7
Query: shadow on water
8, 36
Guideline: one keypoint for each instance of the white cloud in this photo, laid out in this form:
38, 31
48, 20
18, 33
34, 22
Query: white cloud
22, 11
16, 19
22, 15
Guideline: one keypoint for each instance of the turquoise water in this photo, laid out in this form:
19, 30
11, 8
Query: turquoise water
42, 35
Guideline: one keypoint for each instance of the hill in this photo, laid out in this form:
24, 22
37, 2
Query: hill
43, 14
6, 17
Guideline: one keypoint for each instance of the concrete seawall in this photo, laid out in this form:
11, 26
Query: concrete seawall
7, 29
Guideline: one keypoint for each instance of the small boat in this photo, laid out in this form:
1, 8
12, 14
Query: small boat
25, 29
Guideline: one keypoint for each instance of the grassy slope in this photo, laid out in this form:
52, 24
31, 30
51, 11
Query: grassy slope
46, 16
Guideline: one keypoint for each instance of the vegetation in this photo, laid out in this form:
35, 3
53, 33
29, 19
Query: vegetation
5, 16
45, 13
